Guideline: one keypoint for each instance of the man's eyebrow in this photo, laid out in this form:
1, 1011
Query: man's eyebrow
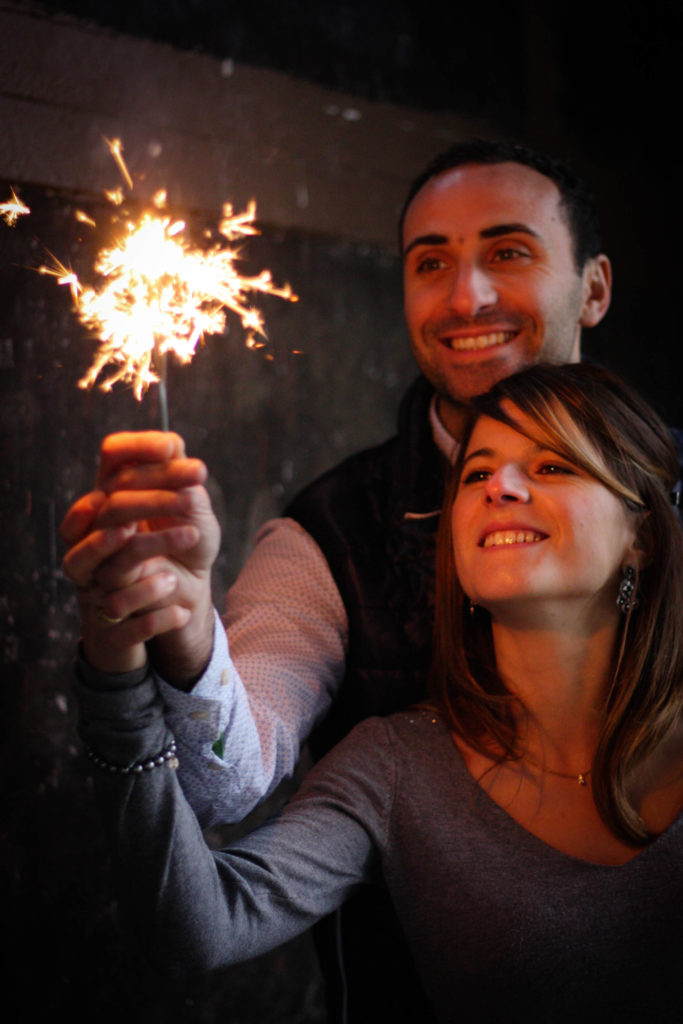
425, 240
508, 229
496, 231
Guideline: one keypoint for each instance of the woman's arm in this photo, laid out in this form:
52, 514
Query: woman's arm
197, 909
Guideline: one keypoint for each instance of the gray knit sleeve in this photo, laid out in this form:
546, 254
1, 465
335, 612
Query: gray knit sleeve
198, 909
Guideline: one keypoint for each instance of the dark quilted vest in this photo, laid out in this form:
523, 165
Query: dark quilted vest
374, 517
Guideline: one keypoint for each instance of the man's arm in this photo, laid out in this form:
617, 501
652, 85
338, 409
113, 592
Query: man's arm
241, 727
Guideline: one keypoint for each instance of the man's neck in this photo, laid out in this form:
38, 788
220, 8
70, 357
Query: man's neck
452, 415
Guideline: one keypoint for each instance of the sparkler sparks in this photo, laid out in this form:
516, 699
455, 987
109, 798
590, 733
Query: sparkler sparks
13, 208
161, 294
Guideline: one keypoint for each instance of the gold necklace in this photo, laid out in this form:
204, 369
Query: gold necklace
581, 777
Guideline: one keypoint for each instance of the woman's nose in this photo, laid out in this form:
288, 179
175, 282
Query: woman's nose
507, 483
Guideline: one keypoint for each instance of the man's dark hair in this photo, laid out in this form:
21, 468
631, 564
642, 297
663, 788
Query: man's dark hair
575, 195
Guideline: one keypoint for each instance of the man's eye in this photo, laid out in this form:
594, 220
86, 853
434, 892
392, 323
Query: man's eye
508, 254
430, 263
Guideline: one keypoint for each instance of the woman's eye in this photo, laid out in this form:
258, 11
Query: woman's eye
553, 468
476, 476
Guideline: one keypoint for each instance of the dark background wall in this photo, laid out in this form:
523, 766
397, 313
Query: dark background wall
323, 112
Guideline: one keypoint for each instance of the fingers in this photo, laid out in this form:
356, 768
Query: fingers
144, 554
118, 450
189, 505
84, 558
135, 461
81, 516
150, 592
173, 475
115, 643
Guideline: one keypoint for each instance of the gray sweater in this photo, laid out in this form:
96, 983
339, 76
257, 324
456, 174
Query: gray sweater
500, 924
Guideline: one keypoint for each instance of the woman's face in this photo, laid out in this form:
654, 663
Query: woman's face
530, 526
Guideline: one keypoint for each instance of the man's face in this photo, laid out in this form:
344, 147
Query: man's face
490, 282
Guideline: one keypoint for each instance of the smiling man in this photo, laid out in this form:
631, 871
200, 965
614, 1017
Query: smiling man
501, 269
330, 620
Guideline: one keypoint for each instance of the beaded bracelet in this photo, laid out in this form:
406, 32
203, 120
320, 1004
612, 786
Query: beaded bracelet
167, 756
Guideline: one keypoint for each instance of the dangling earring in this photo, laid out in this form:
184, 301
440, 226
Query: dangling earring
626, 599
472, 607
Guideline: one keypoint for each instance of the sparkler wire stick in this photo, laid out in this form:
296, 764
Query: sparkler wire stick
162, 392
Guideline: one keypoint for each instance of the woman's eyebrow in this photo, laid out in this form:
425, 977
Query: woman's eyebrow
486, 452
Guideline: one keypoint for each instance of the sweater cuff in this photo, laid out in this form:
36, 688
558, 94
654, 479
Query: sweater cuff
121, 716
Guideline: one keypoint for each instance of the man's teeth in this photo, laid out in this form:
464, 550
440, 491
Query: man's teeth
492, 540
481, 341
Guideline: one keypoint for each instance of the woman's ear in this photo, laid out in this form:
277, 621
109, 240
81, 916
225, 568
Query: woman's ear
639, 552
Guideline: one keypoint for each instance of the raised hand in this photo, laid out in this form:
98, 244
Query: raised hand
141, 547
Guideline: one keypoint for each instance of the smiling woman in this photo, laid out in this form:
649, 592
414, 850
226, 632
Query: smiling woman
506, 818
529, 525
561, 527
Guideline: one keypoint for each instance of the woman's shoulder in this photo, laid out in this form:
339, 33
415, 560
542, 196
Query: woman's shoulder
383, 742
406, 726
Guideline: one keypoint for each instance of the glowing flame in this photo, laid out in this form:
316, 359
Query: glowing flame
64, 276
160, 294
12, 209
116, 150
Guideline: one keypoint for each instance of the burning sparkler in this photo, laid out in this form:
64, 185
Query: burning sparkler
12, 209
160, 294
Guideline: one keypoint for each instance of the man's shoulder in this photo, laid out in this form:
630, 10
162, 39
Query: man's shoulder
387, 465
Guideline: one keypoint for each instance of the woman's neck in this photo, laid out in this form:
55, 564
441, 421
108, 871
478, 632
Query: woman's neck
562, 678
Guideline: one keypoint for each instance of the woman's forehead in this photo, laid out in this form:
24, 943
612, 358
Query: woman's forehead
523, 431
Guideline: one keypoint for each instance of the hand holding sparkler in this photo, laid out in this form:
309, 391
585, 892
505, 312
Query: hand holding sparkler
141, 547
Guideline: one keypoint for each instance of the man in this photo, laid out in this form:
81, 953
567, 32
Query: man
330, 620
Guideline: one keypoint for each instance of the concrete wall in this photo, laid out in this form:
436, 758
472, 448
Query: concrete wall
328, 173
317, 161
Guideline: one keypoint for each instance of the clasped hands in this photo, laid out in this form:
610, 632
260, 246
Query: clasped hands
140, 549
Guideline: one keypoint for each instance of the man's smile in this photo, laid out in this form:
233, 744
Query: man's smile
462, 343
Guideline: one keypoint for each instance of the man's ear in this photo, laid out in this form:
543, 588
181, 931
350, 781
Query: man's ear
597, 290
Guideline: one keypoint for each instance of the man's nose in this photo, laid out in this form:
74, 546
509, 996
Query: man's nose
507, 483
471, 290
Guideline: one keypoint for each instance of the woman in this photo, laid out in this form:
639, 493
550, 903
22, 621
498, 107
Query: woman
527, 823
